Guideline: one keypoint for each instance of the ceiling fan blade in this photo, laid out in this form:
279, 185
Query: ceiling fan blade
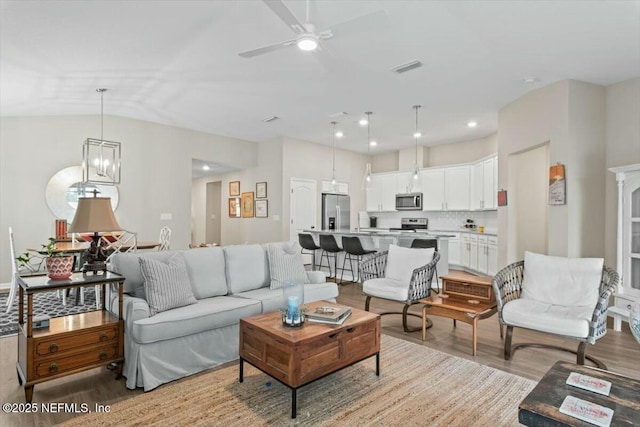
370, 21
283, 12
266, 49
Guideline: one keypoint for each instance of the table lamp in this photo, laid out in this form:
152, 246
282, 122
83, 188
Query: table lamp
94, 215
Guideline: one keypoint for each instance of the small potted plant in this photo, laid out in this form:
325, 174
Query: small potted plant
59, 266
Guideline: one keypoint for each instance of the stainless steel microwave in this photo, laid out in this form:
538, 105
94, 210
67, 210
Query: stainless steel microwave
409, 202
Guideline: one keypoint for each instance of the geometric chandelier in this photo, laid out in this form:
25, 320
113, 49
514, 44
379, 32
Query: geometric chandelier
101, 158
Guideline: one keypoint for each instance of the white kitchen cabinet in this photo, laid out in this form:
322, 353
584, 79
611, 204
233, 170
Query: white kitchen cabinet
381, 195
340, 187
473, 252
454, 250
446, 188
465, 251
403, 180
484, 186
487, 255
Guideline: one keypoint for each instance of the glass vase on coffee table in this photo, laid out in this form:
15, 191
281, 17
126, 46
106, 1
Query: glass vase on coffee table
293, 313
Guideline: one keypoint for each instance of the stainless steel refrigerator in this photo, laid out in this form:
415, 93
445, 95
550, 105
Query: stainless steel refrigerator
336, 212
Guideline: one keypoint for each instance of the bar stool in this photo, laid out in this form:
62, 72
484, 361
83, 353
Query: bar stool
353, 250
307, 243
425, 244
331, 249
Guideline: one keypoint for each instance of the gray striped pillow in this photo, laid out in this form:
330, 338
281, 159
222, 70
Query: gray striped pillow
166, 284
285, 264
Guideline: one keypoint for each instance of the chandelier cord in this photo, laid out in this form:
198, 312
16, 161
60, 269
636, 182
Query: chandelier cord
334, 150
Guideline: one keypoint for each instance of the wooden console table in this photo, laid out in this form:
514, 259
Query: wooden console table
72, 343
541, 406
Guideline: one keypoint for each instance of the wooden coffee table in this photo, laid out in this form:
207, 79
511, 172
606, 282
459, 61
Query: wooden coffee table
298, 356
458, 308
541, 406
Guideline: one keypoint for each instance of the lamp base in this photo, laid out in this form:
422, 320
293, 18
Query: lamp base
94, 267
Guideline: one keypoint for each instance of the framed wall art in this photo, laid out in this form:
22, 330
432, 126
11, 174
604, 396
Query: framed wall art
247, 208
234, 207
262, 208
502, 198
557, 185
234, 188
261, 190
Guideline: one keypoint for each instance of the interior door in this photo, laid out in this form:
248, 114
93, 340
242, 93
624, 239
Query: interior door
303, 204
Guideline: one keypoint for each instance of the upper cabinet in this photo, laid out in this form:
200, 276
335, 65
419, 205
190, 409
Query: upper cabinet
484, 185
446, 189
432, 189
381, 194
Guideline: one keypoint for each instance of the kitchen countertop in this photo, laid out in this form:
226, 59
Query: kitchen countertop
382, 232
439, 232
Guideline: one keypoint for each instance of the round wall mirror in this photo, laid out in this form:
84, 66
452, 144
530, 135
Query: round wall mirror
65, 187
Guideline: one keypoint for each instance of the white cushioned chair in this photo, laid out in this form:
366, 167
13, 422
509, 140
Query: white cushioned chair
398, 274
560, 296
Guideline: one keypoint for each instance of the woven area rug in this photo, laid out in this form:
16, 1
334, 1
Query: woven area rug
45, 303
418, 386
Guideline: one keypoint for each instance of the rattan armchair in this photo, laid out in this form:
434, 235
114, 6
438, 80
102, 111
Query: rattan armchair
373, 267
507, 286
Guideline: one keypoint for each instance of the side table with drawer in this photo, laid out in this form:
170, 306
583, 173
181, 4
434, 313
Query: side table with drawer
72, 343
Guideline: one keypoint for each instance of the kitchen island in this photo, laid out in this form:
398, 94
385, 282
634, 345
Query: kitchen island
380, 239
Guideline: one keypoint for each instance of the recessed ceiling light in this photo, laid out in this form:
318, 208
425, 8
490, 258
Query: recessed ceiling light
373, 143
417, 135
363, 122
339, 134
206, 168
472, 124
531, 80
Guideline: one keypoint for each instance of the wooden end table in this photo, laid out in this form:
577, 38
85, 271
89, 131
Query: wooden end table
541, 406
298, 356
72, 343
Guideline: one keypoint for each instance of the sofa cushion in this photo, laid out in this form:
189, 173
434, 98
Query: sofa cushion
285, 264
555, 319
562, 281
387, 288
206, 268
402, 261
273, 299
206, 314
247, 267
320, 291
127, 265
166, 284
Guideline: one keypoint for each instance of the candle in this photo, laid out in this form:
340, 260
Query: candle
292, 304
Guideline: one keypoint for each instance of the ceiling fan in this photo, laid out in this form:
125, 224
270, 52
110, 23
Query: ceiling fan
307, 38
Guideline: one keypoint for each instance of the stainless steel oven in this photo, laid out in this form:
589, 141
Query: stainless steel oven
409, 202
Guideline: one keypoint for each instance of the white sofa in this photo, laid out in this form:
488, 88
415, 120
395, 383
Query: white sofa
229, 283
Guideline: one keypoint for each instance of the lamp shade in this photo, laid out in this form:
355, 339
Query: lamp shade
94, 214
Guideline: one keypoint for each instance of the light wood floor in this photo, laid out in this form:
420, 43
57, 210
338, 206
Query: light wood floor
618, 350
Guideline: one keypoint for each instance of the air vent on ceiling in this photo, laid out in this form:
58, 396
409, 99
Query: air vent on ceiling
406, 67
270, 119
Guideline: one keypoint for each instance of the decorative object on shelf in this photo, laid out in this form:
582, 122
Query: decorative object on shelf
234, 188
261, 190
94, 215
262, 208
367, 173
59, 266
234, 207
101, 158
557, 185
293, 314
247, 208
634, 320
414, 180
502, 198
66, 186
61, 230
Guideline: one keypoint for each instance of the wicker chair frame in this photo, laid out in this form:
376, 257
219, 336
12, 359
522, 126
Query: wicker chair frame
507, 286
373, 267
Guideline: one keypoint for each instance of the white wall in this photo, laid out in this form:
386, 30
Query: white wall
384, 162
462, 152
156, 173
623, 148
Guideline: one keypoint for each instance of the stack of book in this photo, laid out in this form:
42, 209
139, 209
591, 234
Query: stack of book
333, 315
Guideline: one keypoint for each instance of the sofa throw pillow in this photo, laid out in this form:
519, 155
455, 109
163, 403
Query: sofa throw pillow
402, 261
562, 281
166, 284
285, 264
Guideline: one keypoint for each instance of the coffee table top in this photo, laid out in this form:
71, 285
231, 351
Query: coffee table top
272, 323
459, 303
541, 406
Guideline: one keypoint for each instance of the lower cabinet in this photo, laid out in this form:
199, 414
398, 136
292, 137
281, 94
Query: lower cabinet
454, 250
477, 253
488, 255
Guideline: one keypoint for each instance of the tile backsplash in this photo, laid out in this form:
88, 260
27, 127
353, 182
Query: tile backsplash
446, 220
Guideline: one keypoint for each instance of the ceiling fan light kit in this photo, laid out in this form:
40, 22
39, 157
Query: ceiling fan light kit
307, 42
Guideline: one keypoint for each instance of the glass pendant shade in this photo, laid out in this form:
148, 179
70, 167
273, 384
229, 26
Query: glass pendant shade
366, 181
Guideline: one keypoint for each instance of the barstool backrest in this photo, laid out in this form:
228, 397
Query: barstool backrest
352, 245
306, 241
425, 243
328, 243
